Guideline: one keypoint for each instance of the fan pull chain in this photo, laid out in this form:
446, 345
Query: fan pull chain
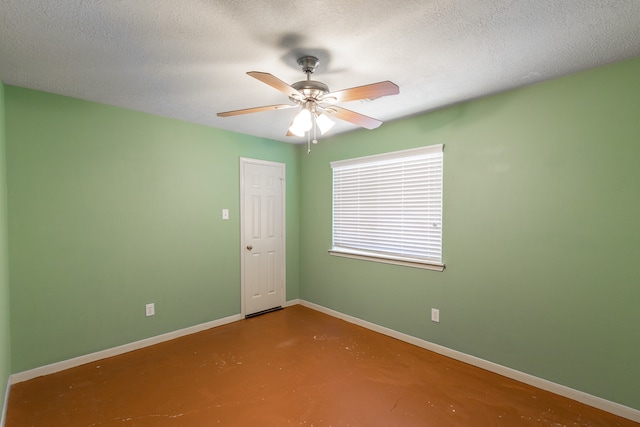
315, 128
315, 140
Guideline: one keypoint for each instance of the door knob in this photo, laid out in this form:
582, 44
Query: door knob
249, 247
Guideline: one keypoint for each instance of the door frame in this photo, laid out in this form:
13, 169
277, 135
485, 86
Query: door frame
244, 161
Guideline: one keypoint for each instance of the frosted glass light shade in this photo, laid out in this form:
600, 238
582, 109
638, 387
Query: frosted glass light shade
301, 123
324, 123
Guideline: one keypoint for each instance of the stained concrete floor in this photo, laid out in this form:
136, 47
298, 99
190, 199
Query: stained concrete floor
294, 367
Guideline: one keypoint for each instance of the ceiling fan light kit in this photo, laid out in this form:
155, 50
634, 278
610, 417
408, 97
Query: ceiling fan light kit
312, 97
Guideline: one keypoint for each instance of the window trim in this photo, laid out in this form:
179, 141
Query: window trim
434, 265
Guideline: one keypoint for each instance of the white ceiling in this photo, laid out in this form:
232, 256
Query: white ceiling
187, 59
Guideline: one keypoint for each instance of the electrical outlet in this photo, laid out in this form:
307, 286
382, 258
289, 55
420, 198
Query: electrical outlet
150, 309
435, 315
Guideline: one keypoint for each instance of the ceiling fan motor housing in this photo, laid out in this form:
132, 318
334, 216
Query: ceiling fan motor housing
311, 89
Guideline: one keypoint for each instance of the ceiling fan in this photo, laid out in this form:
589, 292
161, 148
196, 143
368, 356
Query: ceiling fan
317, 102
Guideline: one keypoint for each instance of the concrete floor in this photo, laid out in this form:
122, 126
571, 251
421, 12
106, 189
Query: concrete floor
294, 367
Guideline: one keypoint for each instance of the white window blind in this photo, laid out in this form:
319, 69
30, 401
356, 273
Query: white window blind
389, 206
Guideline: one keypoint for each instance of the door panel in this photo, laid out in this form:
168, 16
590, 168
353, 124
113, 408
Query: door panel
262, 235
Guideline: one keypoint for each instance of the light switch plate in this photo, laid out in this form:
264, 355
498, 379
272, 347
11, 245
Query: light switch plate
225, 213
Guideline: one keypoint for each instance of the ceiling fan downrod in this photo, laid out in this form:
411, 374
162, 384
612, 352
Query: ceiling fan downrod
311, 89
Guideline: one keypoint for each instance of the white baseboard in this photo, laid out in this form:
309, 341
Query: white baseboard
89, 358
587, 399
6, 403
292, 302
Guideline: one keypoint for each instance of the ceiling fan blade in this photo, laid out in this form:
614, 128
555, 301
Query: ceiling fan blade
255, 110
289, 133
372, 91
276, 83
353, 117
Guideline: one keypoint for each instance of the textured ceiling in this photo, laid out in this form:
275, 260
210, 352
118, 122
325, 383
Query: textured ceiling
187, 59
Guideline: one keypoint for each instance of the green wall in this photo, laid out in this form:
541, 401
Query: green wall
110, 209
541, 232
5, 347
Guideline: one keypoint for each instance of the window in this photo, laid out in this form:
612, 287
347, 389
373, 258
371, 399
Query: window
388, 208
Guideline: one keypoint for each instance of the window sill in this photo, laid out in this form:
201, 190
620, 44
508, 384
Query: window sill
387, 260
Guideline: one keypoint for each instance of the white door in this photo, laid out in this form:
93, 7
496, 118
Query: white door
262, 235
